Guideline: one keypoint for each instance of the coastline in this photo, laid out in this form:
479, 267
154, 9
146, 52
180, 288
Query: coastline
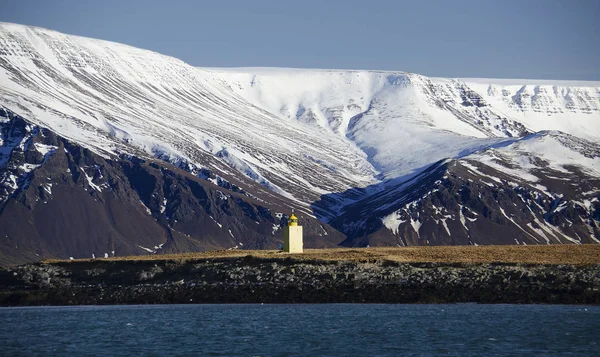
237, 278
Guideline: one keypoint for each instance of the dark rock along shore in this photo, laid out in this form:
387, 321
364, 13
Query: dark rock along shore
253, 280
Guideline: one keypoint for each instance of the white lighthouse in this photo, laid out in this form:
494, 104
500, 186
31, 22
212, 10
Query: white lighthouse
292, 236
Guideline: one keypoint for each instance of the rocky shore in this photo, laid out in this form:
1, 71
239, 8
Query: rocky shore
249, 279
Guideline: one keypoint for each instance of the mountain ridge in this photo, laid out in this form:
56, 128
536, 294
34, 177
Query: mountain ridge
319, 140
490, 80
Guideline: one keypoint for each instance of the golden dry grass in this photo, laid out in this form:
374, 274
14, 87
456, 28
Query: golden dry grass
539, 254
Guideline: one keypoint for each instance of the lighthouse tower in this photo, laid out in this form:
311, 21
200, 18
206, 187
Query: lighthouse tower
292, 236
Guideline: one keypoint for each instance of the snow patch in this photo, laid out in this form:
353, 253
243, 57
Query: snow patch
163, 207
92, 184
45, 150
416, 224
393, 222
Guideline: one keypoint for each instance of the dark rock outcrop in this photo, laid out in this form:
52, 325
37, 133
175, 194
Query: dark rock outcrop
252, 280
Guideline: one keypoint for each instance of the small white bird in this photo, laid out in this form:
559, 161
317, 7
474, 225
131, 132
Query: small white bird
105, 255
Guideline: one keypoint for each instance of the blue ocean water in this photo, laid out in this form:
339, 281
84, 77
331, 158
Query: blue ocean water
301, 330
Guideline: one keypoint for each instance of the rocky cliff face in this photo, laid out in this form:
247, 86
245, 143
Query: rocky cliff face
58, 199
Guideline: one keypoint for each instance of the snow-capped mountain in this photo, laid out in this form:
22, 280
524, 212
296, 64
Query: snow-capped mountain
539, 189
329, 142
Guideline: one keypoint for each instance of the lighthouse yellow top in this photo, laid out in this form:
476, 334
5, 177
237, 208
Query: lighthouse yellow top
293, 221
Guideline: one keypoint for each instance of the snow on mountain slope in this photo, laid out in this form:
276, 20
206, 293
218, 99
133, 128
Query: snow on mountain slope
332, 98
300, 133
569, 106
114, 98
541, 189
404, 121
373, 110
58, 199
546, 150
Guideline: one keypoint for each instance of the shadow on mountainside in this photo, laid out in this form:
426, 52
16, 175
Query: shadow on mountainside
357, 212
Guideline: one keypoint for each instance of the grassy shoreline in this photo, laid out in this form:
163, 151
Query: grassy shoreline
540, 254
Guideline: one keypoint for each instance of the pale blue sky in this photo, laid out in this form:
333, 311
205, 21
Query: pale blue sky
542, 39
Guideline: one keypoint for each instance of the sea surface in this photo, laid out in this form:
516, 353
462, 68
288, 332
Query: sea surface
301, 330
